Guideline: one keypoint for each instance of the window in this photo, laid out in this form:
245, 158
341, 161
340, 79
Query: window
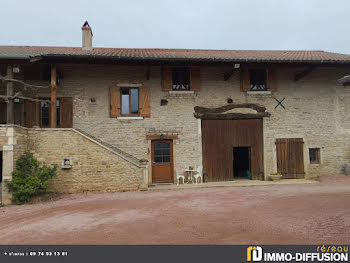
45, 112
258, 80
181, 79
129, 101
162, 152
314, 154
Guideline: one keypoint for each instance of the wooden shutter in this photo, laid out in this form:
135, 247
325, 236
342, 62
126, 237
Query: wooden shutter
195, 79
66, 108
296, 156
144, 102
33, 72
18, 110
245, 80
30, 112
114, 101
3, 113
167, 78
282, 156
290, 157
271, 78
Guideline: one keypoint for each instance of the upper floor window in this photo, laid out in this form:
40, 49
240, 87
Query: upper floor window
181, 79
129, 101
258, 80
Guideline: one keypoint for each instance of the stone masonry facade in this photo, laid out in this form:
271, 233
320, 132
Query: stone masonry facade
316, 109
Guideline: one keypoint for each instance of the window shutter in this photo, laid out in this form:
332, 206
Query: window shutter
114, 101
30, 113
271, 78
245, 80
290, 157
33, 72
66, 105
167, 78
195, 79
3, 111
144, 102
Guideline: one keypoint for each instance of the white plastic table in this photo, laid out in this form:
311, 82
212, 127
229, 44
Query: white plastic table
190, 177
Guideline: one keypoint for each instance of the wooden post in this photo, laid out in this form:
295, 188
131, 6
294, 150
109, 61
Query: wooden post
53, 117
9, 92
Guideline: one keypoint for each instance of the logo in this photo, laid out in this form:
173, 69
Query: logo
254, 253
330, 254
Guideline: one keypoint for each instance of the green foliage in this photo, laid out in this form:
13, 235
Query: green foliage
29, 179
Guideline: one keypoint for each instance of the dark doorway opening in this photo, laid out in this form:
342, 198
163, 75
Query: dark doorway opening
241, 162
0, 168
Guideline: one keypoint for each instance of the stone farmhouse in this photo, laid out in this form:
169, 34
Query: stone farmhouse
118, 119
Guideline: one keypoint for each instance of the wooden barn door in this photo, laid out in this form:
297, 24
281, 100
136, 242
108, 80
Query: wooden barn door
219, 137
290, 158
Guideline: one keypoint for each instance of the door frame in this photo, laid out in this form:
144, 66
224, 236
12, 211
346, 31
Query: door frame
232, 126
233, 159
151, 141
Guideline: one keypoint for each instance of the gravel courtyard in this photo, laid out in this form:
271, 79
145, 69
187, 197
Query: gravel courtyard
274, 214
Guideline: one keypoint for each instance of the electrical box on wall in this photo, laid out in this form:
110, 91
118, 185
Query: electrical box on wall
66, 163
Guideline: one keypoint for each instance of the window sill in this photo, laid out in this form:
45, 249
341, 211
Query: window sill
181, 92
129, 118
267, 92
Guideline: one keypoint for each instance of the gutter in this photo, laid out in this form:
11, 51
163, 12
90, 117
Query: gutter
10, 57
171, 59
91, 57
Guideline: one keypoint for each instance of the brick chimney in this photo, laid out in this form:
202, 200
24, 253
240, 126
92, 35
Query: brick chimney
87, 36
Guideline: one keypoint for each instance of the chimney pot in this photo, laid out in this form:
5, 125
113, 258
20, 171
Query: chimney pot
87, 36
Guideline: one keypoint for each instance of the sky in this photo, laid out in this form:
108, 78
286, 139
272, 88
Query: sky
216, 24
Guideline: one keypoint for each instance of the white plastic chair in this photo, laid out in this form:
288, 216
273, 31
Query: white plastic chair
198, 174
178, 177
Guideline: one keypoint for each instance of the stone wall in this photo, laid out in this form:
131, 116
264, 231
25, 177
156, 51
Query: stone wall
13, 143
94, 168
316, 110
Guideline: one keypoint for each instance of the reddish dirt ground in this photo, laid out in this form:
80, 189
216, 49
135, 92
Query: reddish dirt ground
274, 214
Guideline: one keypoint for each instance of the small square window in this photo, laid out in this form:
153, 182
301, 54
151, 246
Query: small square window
181, 79
314, 154
258, 80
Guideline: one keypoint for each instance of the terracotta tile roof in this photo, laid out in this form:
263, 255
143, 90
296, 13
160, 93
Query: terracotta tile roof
13, 52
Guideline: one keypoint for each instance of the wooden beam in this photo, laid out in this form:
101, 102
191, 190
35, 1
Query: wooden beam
53, 116
231, 116
307, 71
9, 92
203, 110
18, 96
26, 85
148, 72
228, 74
157, 137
